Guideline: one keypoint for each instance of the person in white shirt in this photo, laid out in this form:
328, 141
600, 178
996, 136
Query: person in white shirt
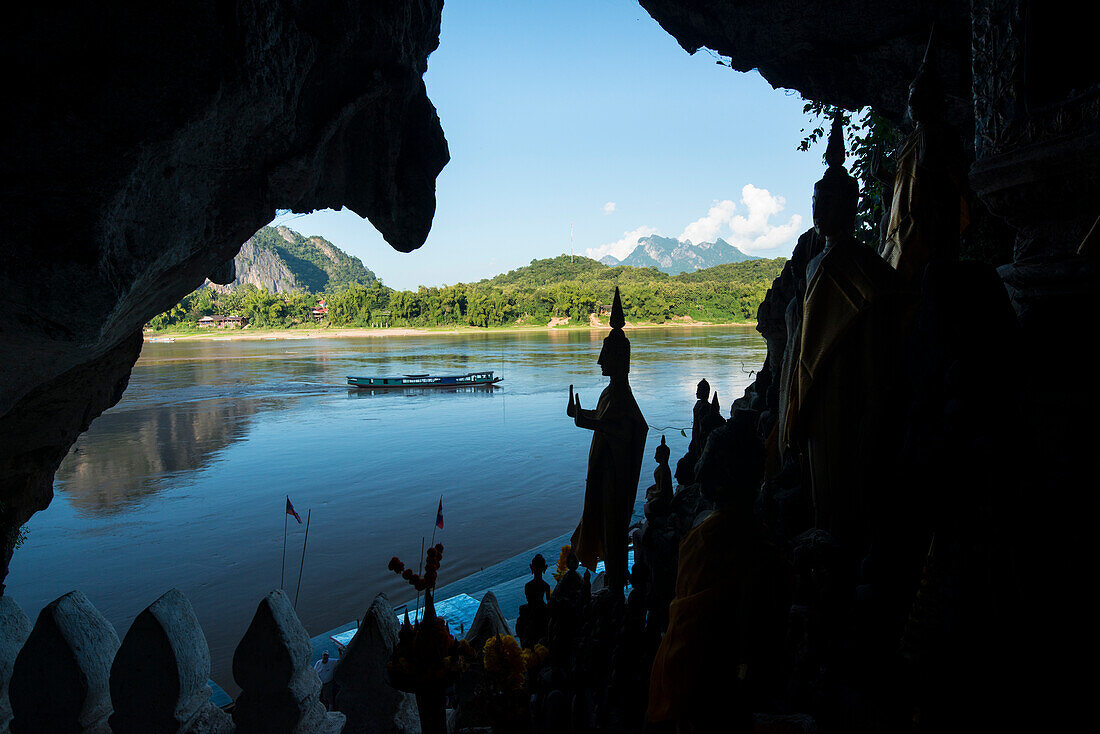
325, 668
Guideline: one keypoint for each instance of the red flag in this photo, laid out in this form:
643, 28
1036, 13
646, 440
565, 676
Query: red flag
439, 514
290, 510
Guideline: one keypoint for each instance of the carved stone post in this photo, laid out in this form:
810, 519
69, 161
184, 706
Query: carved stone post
159, 677
371, 704
60, 679
1038, 167
279, 689
14, 629
488, 622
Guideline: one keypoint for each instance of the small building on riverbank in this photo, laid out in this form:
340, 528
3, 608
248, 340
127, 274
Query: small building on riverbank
223, 322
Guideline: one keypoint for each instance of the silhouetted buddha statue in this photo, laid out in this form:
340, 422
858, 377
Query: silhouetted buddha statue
658, 498
614, 461
699, 413
724, 625
847, 370
567, 602
712, 420
658, 542
928, 210
685, 467
531, 625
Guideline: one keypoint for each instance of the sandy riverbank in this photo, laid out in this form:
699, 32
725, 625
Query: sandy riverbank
356, 333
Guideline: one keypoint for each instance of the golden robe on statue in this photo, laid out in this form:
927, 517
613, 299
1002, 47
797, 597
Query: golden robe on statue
842, 405
929, 207
718, 627
611, 487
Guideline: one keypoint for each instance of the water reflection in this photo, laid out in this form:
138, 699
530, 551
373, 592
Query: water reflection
133, 455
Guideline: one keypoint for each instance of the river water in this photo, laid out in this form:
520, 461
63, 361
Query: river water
183, 483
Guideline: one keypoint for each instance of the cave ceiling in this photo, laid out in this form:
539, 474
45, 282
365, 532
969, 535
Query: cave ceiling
850, 53
151, 141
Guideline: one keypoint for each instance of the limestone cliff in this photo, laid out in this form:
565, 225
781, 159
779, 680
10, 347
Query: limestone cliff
282, 260
261, 267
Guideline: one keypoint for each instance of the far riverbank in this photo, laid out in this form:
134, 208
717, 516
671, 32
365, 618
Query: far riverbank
250, 333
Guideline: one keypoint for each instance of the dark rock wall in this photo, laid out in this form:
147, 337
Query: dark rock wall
142, 144
997, 458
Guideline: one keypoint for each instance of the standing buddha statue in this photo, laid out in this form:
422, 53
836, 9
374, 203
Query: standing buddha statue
614, 461
928, 210
847, 369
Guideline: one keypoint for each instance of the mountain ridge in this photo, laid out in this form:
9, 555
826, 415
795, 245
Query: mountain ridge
674, 256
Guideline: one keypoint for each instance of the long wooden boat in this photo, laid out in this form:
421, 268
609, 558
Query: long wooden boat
425, 380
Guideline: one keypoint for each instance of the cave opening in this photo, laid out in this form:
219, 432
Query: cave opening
136, 171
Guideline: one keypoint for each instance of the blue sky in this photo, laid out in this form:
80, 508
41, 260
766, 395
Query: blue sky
588, 112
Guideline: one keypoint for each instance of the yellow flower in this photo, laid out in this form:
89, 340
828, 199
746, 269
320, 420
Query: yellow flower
562, 567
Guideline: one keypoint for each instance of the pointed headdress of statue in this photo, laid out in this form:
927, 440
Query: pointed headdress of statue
837, 188
616, 347
926, 96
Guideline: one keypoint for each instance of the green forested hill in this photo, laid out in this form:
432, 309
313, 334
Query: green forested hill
563, 286
565, 268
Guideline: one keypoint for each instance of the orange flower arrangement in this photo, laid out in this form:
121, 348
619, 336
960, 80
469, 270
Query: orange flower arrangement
426, 655
563, 558
431, 569
502, 696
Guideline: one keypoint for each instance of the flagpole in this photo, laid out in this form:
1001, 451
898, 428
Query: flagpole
282, 568
304, 541
419, 569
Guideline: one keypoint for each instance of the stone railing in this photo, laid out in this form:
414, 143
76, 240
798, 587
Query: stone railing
70, 673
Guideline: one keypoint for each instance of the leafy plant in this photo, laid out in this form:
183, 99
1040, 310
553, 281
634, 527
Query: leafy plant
865, 131
17, 535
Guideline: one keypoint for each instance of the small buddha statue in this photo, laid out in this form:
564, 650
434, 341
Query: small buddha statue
570, 586
614, 460
712, 420
657, 543
565, 610
698, 413
701, 423
531, 625
658, 498
928, 210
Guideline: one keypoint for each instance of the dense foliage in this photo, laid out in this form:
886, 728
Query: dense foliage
564, 286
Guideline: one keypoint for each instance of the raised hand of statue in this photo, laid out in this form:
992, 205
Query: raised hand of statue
577, 412
571, 409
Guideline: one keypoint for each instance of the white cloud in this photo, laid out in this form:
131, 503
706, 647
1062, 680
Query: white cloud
707, 228
746, 225
750, 232
609, 207
754, 232
623, 247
